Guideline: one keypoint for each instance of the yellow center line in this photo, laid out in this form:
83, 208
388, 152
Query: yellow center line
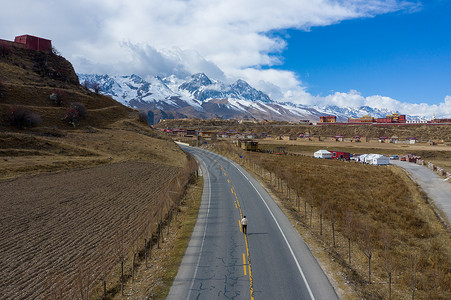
244, 264
251, 284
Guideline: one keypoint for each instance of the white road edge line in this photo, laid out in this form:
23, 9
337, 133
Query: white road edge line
280, 229
205, 231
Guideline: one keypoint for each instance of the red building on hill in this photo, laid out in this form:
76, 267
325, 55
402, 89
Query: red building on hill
34, 42
28, 42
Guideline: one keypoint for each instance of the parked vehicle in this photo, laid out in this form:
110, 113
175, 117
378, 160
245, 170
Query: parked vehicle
394, 157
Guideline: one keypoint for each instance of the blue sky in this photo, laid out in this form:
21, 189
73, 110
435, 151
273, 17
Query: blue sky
404, 55
392, 54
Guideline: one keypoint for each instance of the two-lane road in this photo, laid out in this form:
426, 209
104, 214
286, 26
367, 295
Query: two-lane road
271, 262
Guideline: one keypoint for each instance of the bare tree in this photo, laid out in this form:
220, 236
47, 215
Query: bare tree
413, 260
367, 243
387, 258
322, 209
349, 229
120, 251
332, 212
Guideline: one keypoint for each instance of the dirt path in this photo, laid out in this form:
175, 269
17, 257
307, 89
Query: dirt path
50, 222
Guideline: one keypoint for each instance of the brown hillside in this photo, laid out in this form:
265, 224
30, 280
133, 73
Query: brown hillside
28, 78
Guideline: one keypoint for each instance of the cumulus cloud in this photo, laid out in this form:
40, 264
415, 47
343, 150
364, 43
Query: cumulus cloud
226, 40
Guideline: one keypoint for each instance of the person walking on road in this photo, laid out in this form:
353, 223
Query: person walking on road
244, 224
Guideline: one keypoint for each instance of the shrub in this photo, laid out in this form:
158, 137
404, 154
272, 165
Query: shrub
86, 84
5, 51
142, 116
58, 97
3, 89
22, 117
96, 87
55, 51
80, 108
72, 117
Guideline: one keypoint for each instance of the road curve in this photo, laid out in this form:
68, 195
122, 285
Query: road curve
435, 187
271, 262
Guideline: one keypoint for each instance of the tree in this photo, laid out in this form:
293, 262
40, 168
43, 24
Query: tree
72, 117
80, 108
367, 243
58, 97
349, 229
3, 89
96, 87
387, 258
413, 260
22, 117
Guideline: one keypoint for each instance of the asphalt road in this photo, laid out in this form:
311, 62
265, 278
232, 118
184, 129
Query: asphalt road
435, 187
271, 262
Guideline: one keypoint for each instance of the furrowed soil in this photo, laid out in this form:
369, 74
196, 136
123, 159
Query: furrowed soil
69, 201
52, 221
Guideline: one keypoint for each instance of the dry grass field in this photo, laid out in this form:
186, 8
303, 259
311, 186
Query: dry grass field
437, 154
370, 225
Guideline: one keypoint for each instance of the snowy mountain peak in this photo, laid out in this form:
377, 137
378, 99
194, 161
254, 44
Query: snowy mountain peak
200, 96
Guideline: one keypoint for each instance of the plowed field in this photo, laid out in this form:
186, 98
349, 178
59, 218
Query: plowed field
49, 222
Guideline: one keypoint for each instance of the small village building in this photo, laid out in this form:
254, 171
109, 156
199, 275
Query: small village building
356, 138
190, 133
327, 119
322, 154
34, 42
179, 131
364, 119
383, 139
339, 138
247, 144
208, 135
251, 135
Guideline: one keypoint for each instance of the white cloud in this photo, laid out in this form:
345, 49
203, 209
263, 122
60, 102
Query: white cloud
224, 39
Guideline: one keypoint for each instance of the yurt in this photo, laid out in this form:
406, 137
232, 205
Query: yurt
377, 159
322, 154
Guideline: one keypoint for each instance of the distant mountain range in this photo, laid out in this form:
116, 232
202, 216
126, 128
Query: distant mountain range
201, 97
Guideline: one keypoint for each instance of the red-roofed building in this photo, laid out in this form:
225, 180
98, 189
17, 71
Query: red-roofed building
34, 42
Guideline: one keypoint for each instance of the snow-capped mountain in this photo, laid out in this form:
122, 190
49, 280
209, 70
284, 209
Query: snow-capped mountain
201, 97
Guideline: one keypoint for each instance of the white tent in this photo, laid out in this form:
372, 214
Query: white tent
361, 158
322, 154
377, 159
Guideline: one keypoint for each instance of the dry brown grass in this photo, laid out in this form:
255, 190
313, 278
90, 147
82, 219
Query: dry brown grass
386, 207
